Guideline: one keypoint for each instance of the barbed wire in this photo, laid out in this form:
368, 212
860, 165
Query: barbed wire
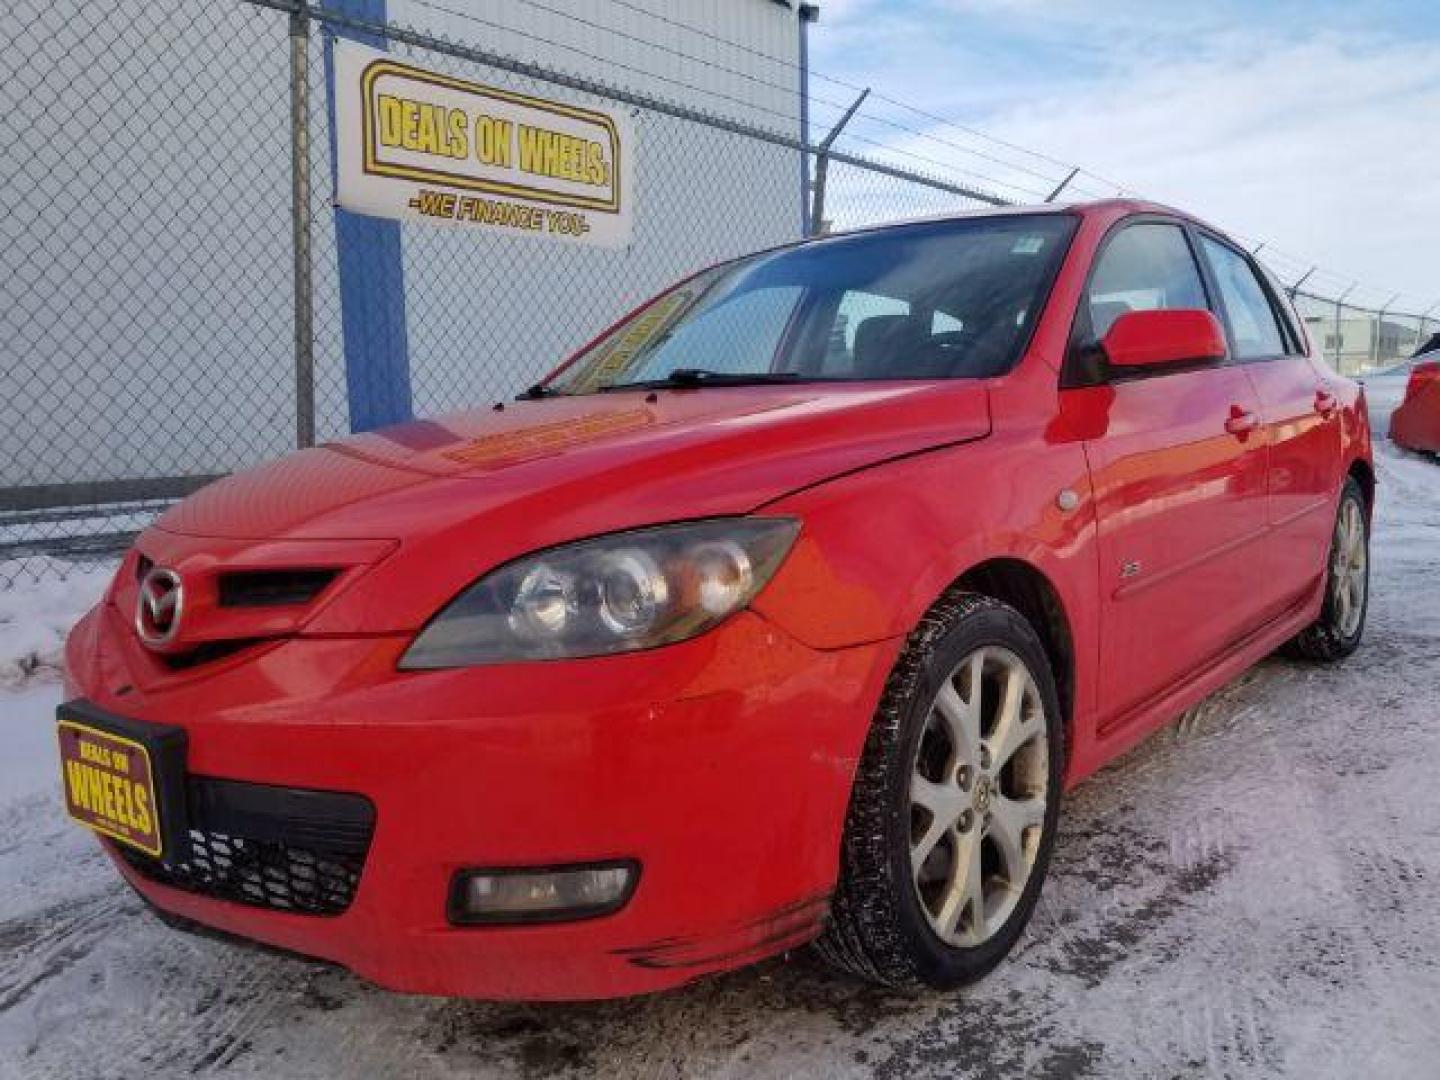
839, 106
609, 62
1291, 269
791, 118
570, 16
875, 95
1079, 184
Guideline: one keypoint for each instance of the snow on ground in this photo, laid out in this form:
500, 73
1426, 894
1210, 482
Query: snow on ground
35, 615
1250, 893
1385, 392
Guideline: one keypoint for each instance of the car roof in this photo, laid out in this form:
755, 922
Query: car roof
1091, 208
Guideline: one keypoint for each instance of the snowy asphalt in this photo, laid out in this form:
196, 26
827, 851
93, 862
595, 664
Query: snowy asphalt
1252, 892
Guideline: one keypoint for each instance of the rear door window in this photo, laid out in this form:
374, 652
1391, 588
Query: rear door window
1247, 307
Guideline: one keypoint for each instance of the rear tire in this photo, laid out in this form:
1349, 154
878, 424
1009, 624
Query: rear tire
1336, 634
953, 812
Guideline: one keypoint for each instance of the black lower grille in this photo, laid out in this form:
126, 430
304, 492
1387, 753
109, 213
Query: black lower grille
282, 848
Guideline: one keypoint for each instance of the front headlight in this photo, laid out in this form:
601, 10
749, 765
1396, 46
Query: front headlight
627, 591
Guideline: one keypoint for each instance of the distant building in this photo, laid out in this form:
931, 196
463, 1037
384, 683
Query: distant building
1359, 343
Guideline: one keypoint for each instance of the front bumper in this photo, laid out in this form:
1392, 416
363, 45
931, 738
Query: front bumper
722, 765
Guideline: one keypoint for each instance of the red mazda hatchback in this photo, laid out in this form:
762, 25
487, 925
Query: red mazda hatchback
783, 612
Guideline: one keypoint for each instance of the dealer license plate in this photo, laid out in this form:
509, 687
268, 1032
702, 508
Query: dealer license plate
110, 785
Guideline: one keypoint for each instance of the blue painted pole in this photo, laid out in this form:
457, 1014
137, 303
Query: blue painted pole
372, 279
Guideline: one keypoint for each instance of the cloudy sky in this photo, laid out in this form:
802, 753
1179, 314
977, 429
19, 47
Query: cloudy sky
1313, 125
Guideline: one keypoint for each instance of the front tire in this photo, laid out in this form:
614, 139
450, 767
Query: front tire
1336, 634
953, 812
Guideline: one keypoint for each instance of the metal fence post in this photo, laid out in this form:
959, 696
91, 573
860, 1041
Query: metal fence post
1379, 329
300, 225
808, 14
1055, 194
1423, 330
1301, 282
1340, 330
822, 165
1338, 337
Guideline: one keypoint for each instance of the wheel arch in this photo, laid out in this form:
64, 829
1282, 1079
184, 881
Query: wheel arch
1364, 475
1029, 591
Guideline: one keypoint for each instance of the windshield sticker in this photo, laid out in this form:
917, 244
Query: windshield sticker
1028, 245
617, 356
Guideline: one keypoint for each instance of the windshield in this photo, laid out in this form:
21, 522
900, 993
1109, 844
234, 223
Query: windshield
940, 300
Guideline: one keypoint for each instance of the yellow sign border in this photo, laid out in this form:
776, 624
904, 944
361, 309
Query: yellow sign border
372, 165
158, 851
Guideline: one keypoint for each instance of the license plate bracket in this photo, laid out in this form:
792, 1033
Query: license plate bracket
125, 778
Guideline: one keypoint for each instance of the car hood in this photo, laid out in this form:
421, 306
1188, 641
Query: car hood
466, 491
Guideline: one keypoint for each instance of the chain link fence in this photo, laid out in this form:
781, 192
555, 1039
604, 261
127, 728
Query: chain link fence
140, 356
150, 336
1362, 341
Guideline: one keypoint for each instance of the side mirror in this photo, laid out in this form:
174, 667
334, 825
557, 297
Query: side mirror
1142, 339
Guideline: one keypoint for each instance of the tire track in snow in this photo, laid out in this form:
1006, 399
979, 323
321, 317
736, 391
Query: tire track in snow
41, 946
258, 988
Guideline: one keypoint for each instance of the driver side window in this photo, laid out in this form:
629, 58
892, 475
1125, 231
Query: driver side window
1146, 267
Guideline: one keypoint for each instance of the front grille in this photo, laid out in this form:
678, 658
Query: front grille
264, 875
288, 849
207, 652
272, 588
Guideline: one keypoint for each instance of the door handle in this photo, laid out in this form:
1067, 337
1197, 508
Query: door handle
1326, 403
1241, 422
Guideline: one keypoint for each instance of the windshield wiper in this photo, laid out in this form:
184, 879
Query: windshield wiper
694, 378
538, 391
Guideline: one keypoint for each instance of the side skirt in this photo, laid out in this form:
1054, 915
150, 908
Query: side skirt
1124, 732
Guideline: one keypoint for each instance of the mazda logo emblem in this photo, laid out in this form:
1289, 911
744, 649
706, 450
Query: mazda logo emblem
159, 606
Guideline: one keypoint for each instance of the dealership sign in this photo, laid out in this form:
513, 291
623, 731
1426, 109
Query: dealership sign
417, 145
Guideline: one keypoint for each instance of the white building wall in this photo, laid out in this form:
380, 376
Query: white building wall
643, 45
145, 302
144, 239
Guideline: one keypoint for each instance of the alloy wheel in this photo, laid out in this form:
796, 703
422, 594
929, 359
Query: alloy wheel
978, 790
1349, 577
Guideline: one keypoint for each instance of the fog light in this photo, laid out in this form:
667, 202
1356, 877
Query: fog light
541, 894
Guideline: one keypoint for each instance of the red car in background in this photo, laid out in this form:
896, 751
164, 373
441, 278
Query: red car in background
783, 612
1415, 424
